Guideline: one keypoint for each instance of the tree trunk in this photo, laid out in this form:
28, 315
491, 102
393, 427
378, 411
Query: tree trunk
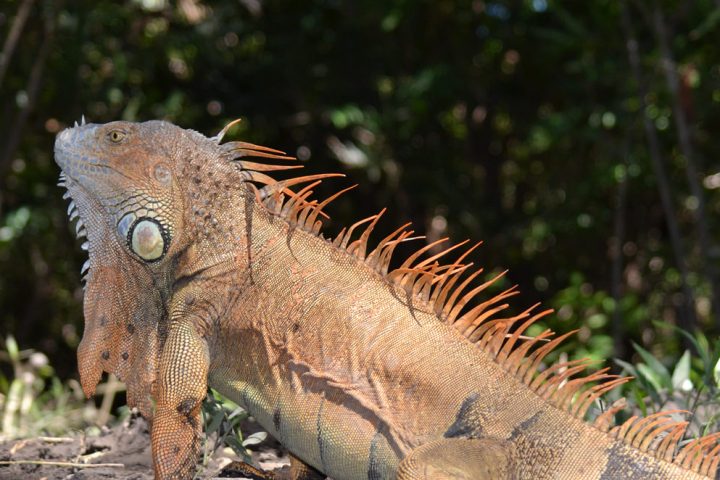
13, 37
686, 148
687, 318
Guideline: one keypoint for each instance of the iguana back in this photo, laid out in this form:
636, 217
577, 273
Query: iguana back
204, 270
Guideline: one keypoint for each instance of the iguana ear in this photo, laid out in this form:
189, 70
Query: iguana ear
122, 312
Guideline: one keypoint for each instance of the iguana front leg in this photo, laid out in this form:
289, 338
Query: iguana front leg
459, 459
182, 385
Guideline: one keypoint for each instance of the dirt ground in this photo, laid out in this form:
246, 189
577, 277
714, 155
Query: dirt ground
121, 452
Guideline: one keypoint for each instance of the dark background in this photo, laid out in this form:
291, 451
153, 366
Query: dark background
579, 140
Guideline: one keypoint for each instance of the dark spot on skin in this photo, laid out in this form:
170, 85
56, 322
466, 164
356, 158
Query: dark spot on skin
192, 421
295, 327
106, 355
277, 418
524, 426
624, 462
468, 420
376, 467
186, 406
176, 449
125, 355
130, 328
244, 395
189, 299
103, 320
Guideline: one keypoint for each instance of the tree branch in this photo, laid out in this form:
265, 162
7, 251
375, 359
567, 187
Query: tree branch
13, 36
33, 88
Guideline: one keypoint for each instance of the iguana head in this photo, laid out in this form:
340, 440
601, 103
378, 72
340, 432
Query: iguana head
122, 179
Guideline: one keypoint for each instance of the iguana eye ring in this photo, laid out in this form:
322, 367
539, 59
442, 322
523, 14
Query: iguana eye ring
116, 136
148, 239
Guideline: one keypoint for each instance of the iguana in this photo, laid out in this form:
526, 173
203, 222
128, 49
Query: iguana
205, 270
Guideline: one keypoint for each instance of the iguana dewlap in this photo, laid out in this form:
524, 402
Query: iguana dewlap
205, 270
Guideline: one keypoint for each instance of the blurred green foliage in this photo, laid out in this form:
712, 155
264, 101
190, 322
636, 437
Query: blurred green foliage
517, 122
691, 384
33, 401
222, 421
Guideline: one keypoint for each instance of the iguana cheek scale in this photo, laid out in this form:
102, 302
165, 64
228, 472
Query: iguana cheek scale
206, 270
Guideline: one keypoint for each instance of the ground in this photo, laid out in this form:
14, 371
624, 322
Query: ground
120, 452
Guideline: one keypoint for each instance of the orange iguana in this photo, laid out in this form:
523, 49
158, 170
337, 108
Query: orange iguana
206, 270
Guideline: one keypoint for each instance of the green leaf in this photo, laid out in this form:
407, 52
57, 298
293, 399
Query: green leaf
238, 412
660, 373
716, 373
236, 445
700, 344
12, 348
651, 376
682, 372
254, 439
217, 419
640, 400
702, 341
627, 367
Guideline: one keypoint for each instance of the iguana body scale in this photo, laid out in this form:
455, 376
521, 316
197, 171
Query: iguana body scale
361, 373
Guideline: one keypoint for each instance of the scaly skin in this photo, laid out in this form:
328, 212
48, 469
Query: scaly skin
356, 373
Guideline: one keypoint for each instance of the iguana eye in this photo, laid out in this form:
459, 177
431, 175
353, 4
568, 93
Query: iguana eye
147, 239
116, 136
